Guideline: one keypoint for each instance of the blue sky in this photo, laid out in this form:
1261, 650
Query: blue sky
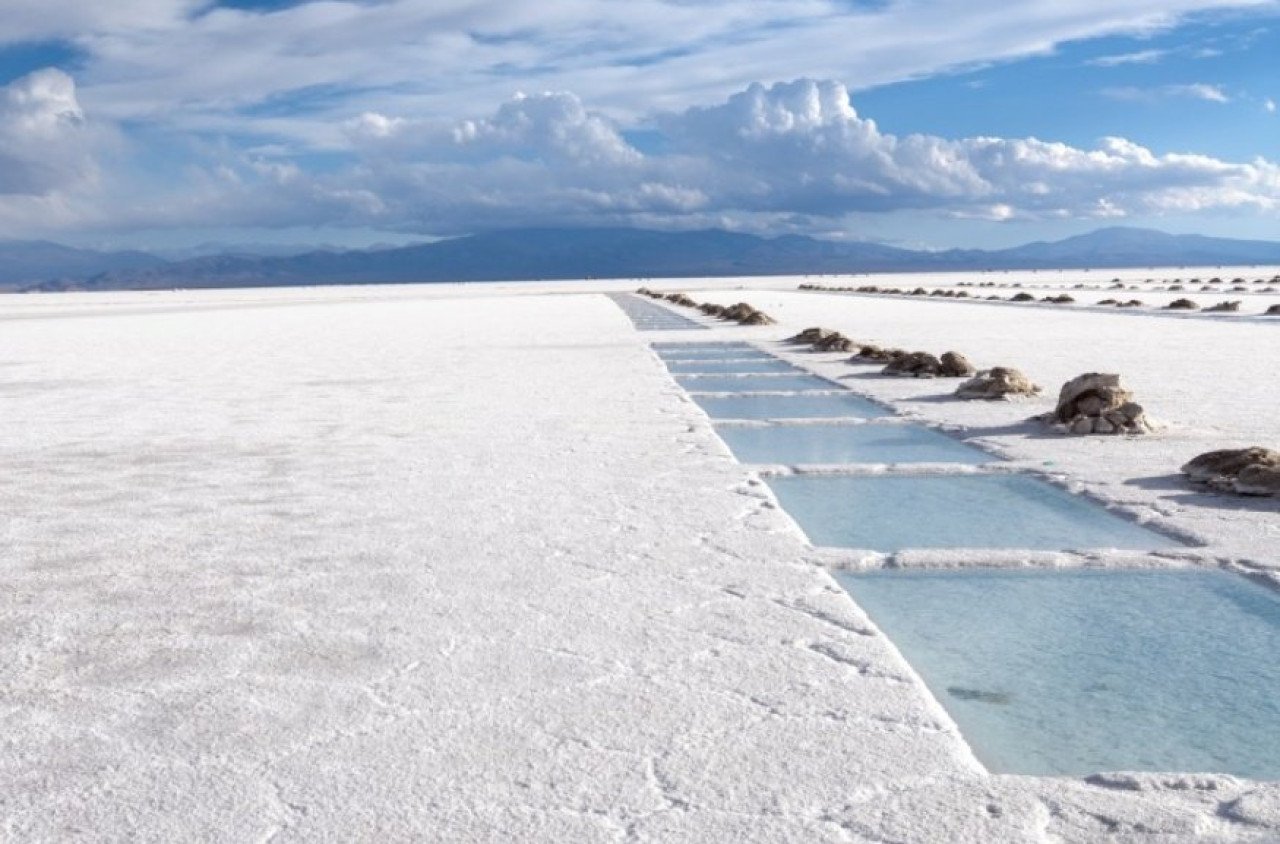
158, 123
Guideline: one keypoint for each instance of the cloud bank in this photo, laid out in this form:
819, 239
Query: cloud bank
761, 159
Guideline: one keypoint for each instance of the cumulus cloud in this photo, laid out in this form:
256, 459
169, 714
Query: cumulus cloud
45, 143
801, 146
195, 65
762, 158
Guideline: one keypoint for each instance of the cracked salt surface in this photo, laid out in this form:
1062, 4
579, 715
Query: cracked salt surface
328, 564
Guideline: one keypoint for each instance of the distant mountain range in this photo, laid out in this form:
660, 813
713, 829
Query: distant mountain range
530, 254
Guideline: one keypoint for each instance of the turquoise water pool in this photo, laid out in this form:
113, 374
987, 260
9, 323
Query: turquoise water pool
840, 405
894, 512
799, 444
1069, 673
754, 383
731, 367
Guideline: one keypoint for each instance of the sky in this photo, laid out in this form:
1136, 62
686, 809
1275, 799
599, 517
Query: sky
923, 123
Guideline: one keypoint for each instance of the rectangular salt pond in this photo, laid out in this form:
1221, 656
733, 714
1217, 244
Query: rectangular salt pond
663, 348
841, 405
736, 366
893, 512
798, 444
754, 383
1070, 673
713, 354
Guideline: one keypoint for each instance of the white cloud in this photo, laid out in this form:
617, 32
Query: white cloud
1195, 91
1269, 105
1199, 91
791, 156
300, 72
1139, 57
45, 143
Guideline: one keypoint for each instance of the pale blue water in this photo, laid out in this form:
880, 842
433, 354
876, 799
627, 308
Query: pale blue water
892, 512
754, 383
798, 444
696, 355
1069, 673
647, 316
791, 407
732, 367
720, 352
710, 348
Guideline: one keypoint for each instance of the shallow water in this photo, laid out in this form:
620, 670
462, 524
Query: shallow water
841, 405
712, 355
647, 316
762, 365
1069, 673
893, 512
799, 444
754, 383
708, 348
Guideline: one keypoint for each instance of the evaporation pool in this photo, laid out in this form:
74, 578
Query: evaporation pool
892, 512
754, 383
703, 353
731, 367
1070, 673
709, 348
886, 443
842, 405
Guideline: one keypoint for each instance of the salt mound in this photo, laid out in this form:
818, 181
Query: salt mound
1248, 471
999, 382
1096, 403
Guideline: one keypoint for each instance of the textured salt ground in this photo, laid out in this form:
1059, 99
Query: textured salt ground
448, 565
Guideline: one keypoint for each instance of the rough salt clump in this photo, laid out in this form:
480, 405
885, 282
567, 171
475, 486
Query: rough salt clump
811, 335
999, 382
914, 365
925, 365
836, 342
1096, 403
1247, 471
873, 353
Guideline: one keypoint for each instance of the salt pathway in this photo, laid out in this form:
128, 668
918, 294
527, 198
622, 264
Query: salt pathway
448, 564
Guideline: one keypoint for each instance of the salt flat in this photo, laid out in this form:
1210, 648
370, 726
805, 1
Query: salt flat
462, 563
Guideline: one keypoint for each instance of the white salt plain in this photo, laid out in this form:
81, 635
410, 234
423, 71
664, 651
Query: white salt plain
463, 563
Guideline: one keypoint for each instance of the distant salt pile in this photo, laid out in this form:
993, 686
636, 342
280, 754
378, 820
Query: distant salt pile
925, 365
1274, 310
913, 365
745, 314
742, 313
824, 340
999, 382
811, 335
757, 318
870, 353
836, 342
1245, 471
1097, 403
956, 365
1224, 307
1181, 305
